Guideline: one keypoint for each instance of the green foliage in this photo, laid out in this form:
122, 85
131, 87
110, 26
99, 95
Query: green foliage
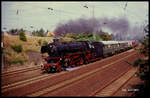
17, 48
137, 62
22, 36
45, 43
39, 33
71, 35
143, 64
89, 36
16, 31
105, 36
145, 48
13, 31
83, 36
16, 61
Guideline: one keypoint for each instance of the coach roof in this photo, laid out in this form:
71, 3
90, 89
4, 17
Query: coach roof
109, 42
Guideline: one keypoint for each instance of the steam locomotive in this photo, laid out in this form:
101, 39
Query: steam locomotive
70, 54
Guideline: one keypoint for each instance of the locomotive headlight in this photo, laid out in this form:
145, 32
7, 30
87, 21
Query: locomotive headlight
42, 66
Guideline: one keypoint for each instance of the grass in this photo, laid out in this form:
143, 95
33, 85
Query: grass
32, 44
17, 48
16, 61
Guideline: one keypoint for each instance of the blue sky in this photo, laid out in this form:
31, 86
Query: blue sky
38, 15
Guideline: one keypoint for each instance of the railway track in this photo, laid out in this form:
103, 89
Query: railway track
25, 82
70, 81
42, 91
115, 85
20, 75
68, 87
132, 72
11, 79
19, 71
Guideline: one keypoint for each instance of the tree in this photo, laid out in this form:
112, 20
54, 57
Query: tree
13, 31
17, 48
143, 65
105, 36
21, 30
22, 36
39, 33
16, 31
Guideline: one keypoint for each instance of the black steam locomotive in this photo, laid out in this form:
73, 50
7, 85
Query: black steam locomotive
71, 54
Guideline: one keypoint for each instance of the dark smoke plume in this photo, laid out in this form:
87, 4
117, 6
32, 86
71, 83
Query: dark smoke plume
119, 27
77, 26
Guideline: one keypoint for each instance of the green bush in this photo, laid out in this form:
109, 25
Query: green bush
16, 61
45, 43
22, 36
82, 37
17, 48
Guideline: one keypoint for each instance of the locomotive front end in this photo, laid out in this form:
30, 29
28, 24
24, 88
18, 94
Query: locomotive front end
51, 64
